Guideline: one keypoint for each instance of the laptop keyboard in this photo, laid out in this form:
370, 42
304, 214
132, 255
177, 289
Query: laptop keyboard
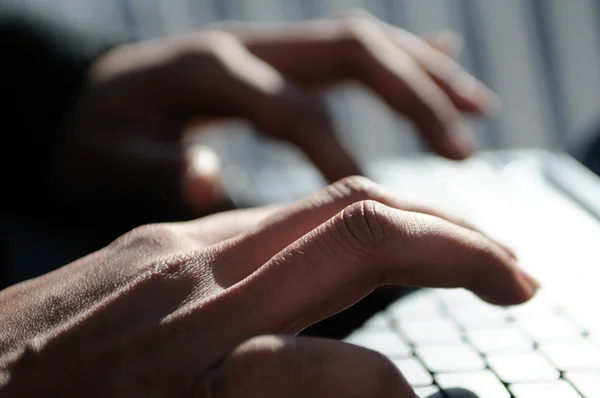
442, 339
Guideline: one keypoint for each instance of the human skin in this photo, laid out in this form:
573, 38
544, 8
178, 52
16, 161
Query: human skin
125, 135
211, 307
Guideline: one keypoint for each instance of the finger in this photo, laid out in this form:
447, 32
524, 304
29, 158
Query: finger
360, 49
175, 174
250, 88
447, 41
278, 366
201, 177
294, 221
407, 88
321, 144
221, 226
367, 245
466, 92
286, 49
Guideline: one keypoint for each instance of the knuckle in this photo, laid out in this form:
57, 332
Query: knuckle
158, 237
352, 189
217, 42
364, 226
210, 48
184, 266
359, 29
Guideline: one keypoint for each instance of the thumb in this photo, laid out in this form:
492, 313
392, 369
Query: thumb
284, 366
138, 170
201, 177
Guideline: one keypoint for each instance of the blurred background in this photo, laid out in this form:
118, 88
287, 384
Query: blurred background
541, 56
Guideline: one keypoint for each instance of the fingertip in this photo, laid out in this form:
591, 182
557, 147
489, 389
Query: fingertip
201, 181
459, 142
533, 283
481, 99
522, 289
529, 286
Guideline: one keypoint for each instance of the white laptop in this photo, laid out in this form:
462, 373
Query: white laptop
546, 207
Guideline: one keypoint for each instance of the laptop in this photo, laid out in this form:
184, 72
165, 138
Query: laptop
544, 205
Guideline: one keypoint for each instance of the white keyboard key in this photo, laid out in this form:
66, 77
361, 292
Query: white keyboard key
431, 332
421, 306
385, 342
483, 384
414, 372
557, 389
456, 298
450, 358
480, 317
581, 355
515, 368
472, 312
504, 340
588, 383
540, 306
379, 322
425, 392
551, 328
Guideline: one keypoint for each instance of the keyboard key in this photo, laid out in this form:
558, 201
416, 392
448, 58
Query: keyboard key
431, 332
584, 314
483, 384
414, 372
588, 383
475, 313
378, 322
456, 298
529, 367
540, 306
425, 392
421, 306
481, 318
557, 389
582, 355
388, 343
491, 341
551, 328
450, 358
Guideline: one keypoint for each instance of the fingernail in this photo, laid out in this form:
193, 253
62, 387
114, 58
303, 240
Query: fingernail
531, 281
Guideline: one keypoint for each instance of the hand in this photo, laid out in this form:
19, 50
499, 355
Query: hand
209, 308
126, 132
